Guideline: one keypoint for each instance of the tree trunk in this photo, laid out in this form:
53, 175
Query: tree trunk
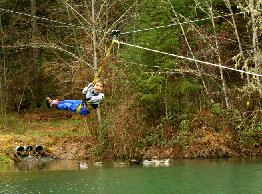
2, 75
192, 53
94, 50
36, 79
34, 29
254, 8
219, 59
241, 54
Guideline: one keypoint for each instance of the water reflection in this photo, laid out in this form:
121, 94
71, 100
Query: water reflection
182, 176
31, 164
48, 164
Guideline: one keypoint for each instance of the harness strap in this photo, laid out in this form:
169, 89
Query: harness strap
79, 108
84, 103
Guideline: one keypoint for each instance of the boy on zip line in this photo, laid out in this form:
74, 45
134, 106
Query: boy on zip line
93, 96
93, 92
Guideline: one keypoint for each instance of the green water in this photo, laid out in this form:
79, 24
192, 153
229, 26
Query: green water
182, 176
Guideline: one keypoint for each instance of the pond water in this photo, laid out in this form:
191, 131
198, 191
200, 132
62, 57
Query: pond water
181, 176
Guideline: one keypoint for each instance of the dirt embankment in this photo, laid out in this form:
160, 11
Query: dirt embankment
206, 144
62, 136
56, 147
71, 139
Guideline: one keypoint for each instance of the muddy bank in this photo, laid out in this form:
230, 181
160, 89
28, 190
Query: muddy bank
85, 148
78, 138
57, 148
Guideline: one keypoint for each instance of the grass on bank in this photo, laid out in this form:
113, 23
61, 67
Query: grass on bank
43, 124
40, 128
4, 158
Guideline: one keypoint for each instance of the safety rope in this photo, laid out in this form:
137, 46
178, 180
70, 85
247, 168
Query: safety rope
187, 58
115, 34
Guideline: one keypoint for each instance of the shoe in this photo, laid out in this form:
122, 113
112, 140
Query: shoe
48, 102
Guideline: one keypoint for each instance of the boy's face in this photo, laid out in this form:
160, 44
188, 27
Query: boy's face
98, 87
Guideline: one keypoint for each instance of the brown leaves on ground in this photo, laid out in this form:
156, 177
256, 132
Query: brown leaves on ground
207, 143
211, 136
59, 147
163, 152
63, 135
46, 115
203, 143
8, 142
73, 148
127, 127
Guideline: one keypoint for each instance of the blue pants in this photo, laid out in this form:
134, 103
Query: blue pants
72, 106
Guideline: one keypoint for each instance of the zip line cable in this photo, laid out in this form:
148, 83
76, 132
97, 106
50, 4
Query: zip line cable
175, 24
48, 46
142, 30
67, 25
170, 71
41, 18
187, 58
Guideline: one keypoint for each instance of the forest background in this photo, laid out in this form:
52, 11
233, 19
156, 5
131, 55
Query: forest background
199, 97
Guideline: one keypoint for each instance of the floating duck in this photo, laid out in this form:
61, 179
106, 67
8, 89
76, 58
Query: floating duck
156, 163
149, 162
164, 162
82, 165
135, 161
119, 164
98, 164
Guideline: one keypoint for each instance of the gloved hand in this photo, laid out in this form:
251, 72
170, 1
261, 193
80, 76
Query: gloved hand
85, 90
88, 88
88, 94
